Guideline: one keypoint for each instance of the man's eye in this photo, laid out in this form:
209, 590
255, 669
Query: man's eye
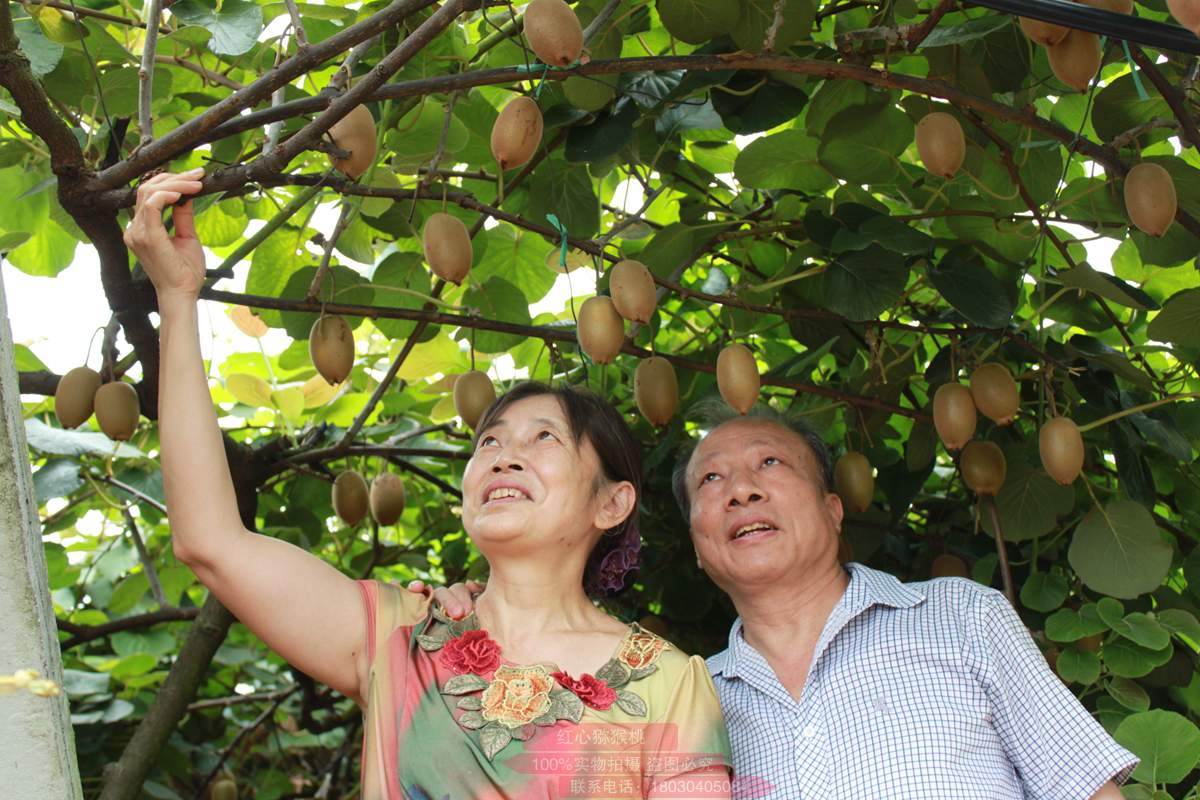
708, 475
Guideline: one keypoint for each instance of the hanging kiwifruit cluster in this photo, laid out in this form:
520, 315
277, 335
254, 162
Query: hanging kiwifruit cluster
941, 144
983, 467
1150, 198
355, 134
738, 380
82, 392
656, 390
447, 244
954, 415
995, 393
473, 393
387, 498
1061, 447
352, 499
632, 288
600, 329
223, 788
854, 481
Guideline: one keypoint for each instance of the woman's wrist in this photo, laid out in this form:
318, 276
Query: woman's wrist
175, 302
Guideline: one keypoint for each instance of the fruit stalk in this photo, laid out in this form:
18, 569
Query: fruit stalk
1137, 409
1005, 570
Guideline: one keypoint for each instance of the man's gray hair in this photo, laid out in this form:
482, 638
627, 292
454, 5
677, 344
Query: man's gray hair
713, 412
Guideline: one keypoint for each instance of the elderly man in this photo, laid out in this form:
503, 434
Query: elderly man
841, 682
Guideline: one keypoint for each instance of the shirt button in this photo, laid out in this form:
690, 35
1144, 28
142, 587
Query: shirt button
809, 732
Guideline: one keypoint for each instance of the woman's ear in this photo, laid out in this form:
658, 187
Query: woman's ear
619, 500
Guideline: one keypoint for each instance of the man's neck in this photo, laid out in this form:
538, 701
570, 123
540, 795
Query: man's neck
784, 621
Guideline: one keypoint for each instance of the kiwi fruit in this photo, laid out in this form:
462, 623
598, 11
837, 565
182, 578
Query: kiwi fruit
1186, 13
331, 348
1090, 644
473, 393
554, 32
601, 331
1061, 447
1150, 198
350, 497
223, 788
354, 133
954, 415
1076, 59
983, 467
517, 132
632, 288
656, 390
995, 393
854, 481
74, 395
117, 410
387, 498
248, 322
737, 377
941, 144
1044, 33
948, 565
447, 246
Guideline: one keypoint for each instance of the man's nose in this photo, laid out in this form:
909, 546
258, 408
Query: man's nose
744, 491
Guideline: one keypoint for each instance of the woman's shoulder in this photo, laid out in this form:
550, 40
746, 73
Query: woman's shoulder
659, 671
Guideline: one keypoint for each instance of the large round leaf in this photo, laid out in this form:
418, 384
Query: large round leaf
1117, 550
1168, 744
1030, 503
785, 160
697, 21
862, 144
1179, 320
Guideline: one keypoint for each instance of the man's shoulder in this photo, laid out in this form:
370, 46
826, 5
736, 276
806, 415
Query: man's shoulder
947, 595
716, 663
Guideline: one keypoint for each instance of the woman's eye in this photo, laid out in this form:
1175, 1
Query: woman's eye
770, 460
546, 433
485, 440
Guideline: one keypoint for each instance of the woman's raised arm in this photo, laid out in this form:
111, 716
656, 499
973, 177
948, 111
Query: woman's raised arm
303, 608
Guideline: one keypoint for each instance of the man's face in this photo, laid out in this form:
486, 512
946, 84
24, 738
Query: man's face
759, 511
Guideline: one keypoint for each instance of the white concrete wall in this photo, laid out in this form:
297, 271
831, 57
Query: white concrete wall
37, 746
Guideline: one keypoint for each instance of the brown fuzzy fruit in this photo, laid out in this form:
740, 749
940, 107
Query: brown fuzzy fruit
941, 144
983, 467
350, 497
632, 288
223, 788
355, 133
517, 132
656, 390
600, 331
1044, 33
1150, 198
854, 481
74, 395
387, 498
331, 348
1061, 446
117, 410
995, 393
447, 246
737, 377
1091, 644
1076, 59
554, 32
954, 415
1187, 13
473, 393
948, 565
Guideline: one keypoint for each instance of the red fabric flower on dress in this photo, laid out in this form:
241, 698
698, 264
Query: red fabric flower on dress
591, 690
471, 652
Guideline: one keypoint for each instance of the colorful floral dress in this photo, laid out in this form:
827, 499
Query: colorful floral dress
447, 718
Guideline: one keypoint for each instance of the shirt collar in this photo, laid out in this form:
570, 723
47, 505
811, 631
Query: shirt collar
868, 587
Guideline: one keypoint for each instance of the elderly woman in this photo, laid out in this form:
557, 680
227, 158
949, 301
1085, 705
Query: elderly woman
535, 694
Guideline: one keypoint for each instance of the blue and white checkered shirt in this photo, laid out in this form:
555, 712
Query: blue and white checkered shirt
919, 690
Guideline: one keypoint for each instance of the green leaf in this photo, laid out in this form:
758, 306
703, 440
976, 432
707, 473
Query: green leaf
1180, 623
1179, 320
670, 249
631, 704
1128, 694
859, 285
1108, 287
1119, 107
1167, 743
43, 54
1128, 660
614, 673
342, 285
697, 21
48, 253
566, 191
603, 138
57, 441
1145, 630
464, 684
400, 281
1117, 550
416, 135
496, 299
518, 257
862, 144
235, 28
1078, 666
1067, 625
493, 738
134, 665
755, 19
944, 35
56, 478
967, 284
1029, 503
785, 160
128, 594
1044, 591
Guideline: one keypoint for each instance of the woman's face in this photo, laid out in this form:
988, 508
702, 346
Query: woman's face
528, 487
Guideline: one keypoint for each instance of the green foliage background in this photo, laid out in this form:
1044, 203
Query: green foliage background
861, 282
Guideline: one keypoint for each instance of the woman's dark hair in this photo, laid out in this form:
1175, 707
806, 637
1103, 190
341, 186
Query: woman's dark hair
591, 417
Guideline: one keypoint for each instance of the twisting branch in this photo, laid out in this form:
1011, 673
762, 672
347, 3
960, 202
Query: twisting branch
146, 71
297, 26
84, 11
87, 633
1173, 97
342, 223
914, 35
266, 714
215, 77
144, 556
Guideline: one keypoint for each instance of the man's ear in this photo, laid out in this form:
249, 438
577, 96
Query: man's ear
620, 500
833, 506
